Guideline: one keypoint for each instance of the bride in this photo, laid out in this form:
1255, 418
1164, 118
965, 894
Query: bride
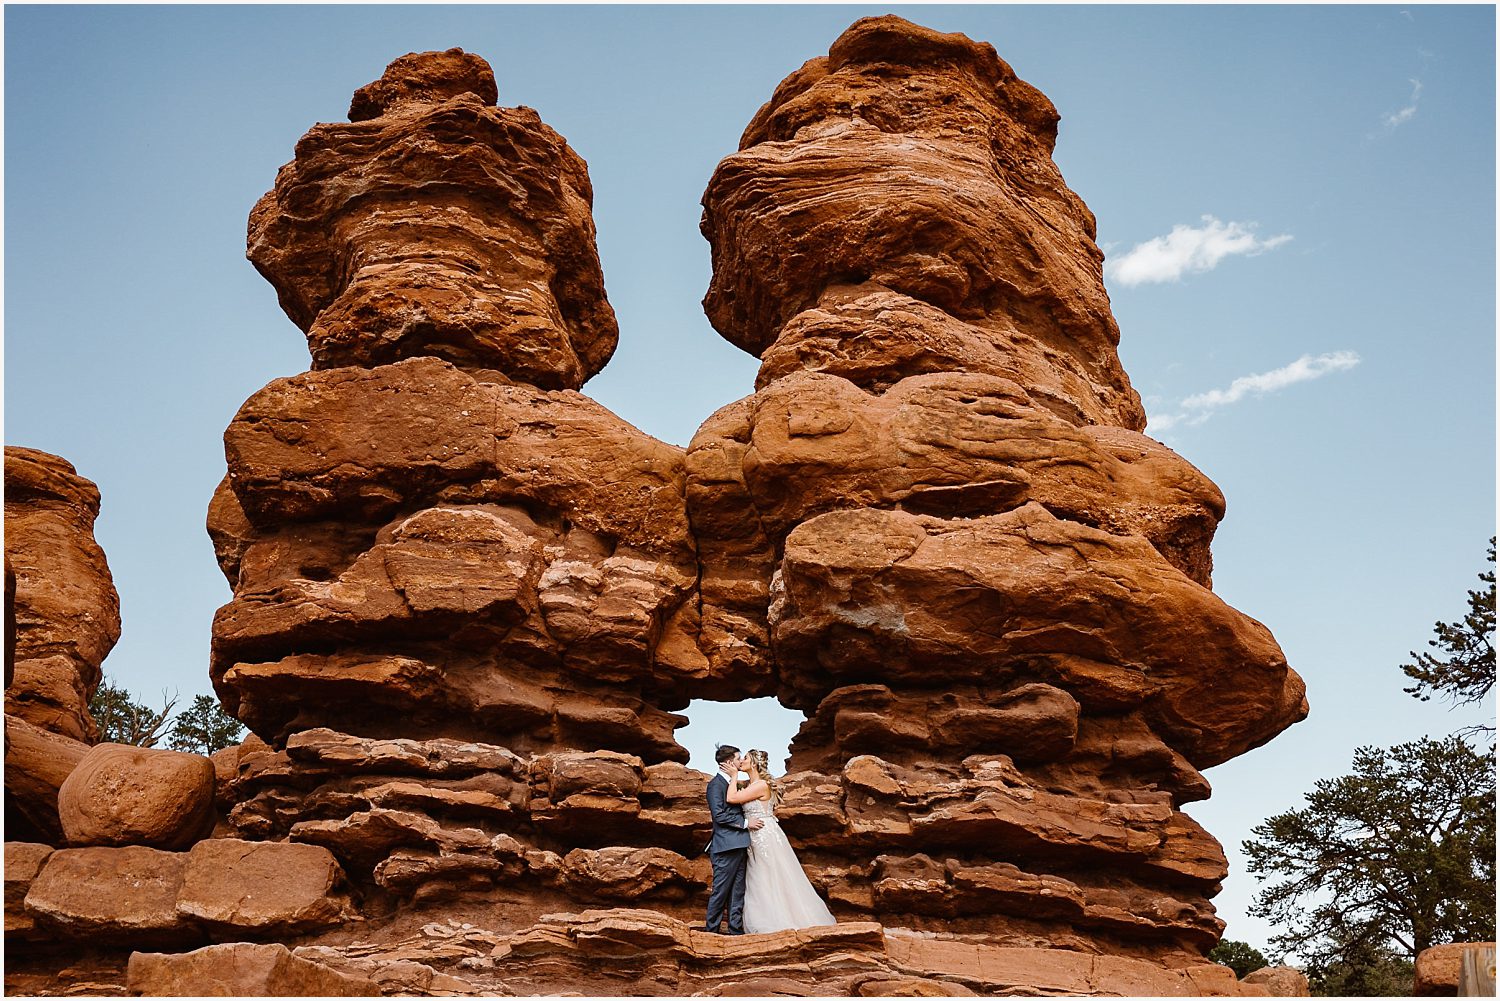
777, 893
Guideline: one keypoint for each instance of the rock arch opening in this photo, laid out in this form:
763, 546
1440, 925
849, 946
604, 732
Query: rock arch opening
763, 723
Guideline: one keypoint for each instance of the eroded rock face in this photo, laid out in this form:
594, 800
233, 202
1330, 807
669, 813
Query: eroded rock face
64, 611
431, 535
239, 969
434, 223
467, 599
937, 529
37, 763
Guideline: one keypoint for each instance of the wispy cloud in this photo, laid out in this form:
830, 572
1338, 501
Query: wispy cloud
1396, 119
1189, 250
1200, 407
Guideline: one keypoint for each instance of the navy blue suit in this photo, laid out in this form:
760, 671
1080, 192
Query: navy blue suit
729, 850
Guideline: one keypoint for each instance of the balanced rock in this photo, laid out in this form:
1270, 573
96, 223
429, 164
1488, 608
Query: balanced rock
125, 795
435, 223
239, 969
65, 612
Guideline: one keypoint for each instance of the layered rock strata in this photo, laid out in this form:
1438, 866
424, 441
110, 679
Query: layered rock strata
464, 594
434, 223
937, 525
431, 534
468, 600
63, 614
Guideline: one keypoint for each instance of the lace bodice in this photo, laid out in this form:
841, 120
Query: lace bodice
759, 808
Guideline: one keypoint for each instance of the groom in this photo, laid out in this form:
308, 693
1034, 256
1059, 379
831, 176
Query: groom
730, 844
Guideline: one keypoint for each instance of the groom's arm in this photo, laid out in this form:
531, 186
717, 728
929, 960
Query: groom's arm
719, 807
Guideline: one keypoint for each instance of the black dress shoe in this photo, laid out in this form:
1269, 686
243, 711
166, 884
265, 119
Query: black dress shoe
711, 931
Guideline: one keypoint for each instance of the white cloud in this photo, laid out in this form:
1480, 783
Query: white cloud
1396, 119
1188, 250
1200, 407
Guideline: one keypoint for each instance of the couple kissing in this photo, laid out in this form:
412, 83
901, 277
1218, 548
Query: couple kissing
757, 878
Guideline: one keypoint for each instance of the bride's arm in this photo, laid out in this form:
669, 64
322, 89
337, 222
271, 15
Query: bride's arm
755, 790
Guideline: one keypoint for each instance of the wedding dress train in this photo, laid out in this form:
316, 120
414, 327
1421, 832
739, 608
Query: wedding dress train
777, 893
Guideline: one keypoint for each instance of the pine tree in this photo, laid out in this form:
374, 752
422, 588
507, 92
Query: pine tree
1463, 671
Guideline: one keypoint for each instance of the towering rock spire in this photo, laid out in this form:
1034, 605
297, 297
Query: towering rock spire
430, 534
937, 527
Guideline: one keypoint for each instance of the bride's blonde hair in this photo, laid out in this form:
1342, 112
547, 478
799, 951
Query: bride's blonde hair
762, 763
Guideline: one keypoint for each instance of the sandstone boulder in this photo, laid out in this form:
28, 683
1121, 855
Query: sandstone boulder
124, 795
1440, 969
239, 969
65, 612
260, 889
112, 895
1280, 981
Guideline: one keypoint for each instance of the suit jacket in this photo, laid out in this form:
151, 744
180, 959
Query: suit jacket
730, 831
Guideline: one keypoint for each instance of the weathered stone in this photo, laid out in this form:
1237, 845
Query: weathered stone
239, 969
1439, 969
260, 889
627, 874
492, 267
22, 862
467, 600
1280, 981
37, 763
913, 600
112, 895
940, 188
63, 609
125, 795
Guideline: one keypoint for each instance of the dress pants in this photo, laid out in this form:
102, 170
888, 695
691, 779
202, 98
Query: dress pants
728, 890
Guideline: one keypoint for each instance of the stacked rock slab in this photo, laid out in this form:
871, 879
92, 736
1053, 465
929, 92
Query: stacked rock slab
937, 525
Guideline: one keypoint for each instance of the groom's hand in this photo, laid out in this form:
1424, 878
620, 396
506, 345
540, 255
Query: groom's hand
755, 824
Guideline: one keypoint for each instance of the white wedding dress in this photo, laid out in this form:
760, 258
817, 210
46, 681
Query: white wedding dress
777, 893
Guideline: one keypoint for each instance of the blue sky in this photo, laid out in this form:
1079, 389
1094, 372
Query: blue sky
1297, 204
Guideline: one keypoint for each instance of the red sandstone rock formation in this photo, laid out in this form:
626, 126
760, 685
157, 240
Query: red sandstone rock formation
937, 525
37, 763
467, 599
66, 614
434, 223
